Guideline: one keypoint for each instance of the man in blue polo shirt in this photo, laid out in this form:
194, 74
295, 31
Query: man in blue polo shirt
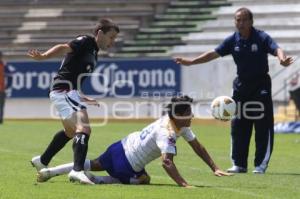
251, 89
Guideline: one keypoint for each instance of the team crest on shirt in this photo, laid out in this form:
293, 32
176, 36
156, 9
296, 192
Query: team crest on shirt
171, 141
254, 47
237, 49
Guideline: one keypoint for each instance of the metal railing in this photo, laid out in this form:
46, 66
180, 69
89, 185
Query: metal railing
285, 82
284, 88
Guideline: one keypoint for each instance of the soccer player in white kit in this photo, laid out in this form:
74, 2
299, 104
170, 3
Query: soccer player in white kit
126, 159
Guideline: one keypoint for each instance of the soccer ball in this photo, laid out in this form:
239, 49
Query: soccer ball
223, 108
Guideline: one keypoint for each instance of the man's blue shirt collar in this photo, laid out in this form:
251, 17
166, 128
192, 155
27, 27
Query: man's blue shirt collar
239, 38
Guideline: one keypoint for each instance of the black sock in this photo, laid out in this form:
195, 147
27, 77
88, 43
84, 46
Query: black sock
58, 142
80, 148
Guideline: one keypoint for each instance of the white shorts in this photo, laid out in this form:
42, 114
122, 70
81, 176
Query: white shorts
66, 102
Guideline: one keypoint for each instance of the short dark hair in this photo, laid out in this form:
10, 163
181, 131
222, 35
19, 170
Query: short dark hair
178, 106
106, 25
247, 11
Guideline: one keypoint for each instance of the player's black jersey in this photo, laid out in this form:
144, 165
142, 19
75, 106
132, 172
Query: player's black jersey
77, 64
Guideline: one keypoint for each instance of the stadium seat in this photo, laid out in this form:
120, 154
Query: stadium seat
42, 23
166, 30
283, 27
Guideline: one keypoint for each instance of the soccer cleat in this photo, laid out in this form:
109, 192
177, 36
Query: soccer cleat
36, 162
237, 169
259, 170
43, 175
79, 176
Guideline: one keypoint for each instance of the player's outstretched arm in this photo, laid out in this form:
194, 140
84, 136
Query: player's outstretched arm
203, 154
55, 51
203, 58
170, 168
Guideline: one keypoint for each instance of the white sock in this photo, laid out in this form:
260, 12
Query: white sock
61, 169
87, 165
66, 168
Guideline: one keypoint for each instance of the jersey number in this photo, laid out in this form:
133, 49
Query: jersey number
145, 132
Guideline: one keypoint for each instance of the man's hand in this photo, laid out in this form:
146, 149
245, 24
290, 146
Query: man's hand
56, 51
93, 102
287, 61
221, 173
183, 61
35, 54
90, 101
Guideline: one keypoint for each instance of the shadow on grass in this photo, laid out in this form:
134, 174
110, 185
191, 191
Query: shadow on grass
285, 174
175, 185
151, 185
207, 186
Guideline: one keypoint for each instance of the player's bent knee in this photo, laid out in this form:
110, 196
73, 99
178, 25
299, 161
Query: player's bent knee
86, 130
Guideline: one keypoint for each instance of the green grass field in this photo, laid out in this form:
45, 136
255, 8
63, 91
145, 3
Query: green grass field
20, 140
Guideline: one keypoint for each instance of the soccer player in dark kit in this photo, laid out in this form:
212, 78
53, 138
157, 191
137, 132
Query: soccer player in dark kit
250, 48
79, 61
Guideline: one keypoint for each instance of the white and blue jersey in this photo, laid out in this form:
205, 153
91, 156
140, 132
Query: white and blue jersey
127, 158
157, 138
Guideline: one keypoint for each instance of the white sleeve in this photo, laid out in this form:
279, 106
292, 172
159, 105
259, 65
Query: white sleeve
166, 143
188, 134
